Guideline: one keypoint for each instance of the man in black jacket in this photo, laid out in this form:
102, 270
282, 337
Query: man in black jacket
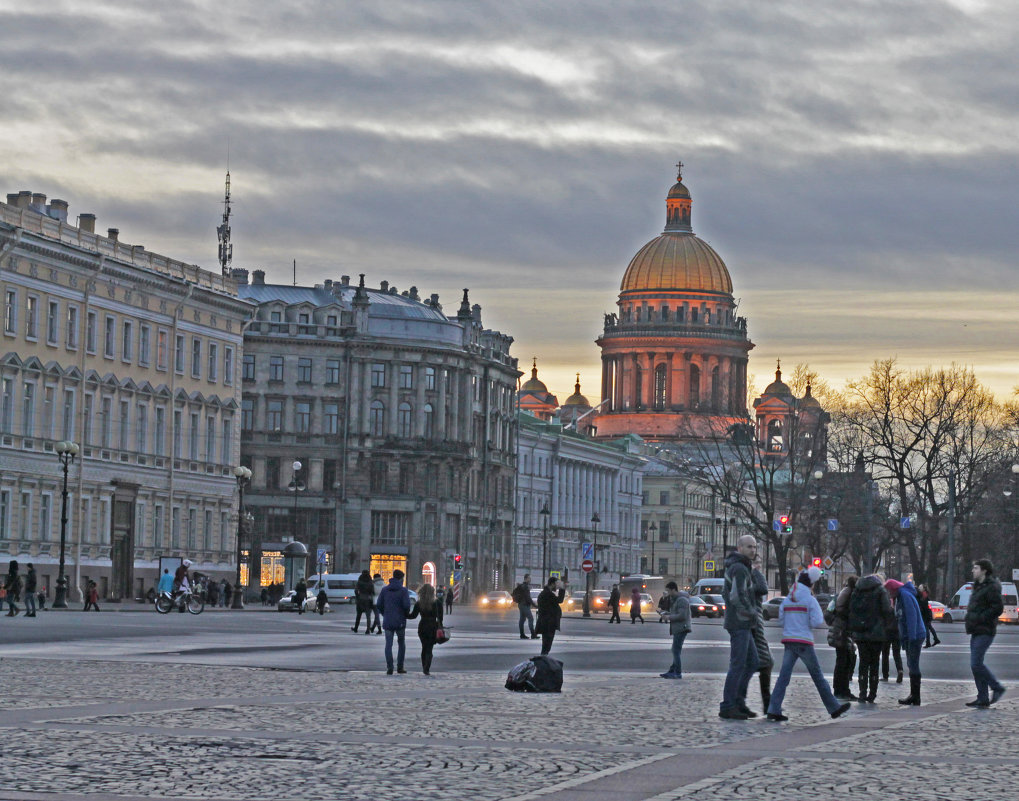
522, 598
985, 605
740, 614
614, 604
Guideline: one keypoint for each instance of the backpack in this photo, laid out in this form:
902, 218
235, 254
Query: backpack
520, 595
519, 675
861, 612
548, 675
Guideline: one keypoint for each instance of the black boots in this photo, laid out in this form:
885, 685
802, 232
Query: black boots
913, 699
765, 676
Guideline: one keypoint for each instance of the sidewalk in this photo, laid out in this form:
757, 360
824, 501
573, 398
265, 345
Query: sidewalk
103, 730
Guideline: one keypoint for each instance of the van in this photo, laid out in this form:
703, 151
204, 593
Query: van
711, 586
956, 611
339, 586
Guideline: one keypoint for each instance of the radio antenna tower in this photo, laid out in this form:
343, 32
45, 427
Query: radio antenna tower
226, 250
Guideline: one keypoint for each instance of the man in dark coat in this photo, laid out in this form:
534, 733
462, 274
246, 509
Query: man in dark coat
364, 600
870, 609
839, 639
740, 614
522, 598
614, 604
982, 612
549, 612
394, 606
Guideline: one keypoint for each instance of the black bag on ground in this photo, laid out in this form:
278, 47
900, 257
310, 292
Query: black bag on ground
540, 674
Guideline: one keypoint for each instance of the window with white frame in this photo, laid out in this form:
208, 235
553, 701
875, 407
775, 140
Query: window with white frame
125, 424
275, 368
25, 516
10, 312
302, 417
331, 418
196, 357
127, 341
159, 441
86, 421
178, 433
227, 439
157, 526
162, 348
378, 374
106, 422
406, 376
247, 414
193, 442
210, 439
91, 331
274, 415
72, 327
228, 366
52, 322
332, 371
213, 374
5, 514
46, 517
48, 397
144, 345
178, 354
32, 317
141, 428
110, 340
67, 416
28, 410
7, 405
248, 367
377, 419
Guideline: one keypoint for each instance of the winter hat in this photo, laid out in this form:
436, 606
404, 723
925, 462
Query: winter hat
893, 587
810, 576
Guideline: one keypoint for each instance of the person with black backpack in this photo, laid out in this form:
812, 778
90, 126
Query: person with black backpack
522, 598
869, 611
549, 612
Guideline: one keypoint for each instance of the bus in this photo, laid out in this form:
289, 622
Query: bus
652, 585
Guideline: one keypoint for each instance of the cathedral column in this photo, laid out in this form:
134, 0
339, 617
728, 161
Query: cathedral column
618, 374
669, 403
649, 382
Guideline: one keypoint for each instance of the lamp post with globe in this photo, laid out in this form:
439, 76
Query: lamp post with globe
66, 451
243, 476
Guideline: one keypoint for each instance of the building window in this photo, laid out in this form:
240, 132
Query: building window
663, 498
193, 438
5, 514
86, 423
377, 419
272, 472
429, 431
32, 317
430, 378
332, 371
328, 475
247, 414
377, 476
192, 529
210, 439
406, 376
695, 386
45, 517
7, 405
141, 428
276, 320
110, 340
302, 417
274, 415
390, 528
406, 478
178, 354
126, 341
178, 433
28, 410
72, 327
175, 527
378, 375
227, 440
663, 567
160, 438
125, 425
25, 516
248, 367
213, 362
196, 357
331, 418
47, 412
661, 381
663, 531
228, 366
157, 527
144, 345
162, 338
67, 419
303, 371
10, 312
404, 421
275, 368
91, 331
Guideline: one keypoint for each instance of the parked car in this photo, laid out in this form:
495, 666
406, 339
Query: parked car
575, 601
500, 599
717, 600
287, 603
769, 611
937, 609
647, 604
701, 608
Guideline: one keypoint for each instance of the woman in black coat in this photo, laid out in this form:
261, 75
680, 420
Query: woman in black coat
430, 612
549, 612
364, 600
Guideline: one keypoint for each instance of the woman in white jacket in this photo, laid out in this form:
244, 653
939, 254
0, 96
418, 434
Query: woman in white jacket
799, 614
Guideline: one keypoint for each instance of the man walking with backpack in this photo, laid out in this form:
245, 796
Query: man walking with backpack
869, 611
740, 614
522, 598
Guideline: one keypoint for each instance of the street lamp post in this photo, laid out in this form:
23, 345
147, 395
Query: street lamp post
595, 520
295, 486
243, 476
544, 512
66, 451
651, 533
1007, 492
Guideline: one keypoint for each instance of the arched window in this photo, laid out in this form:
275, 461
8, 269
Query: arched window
377, 419
660, 384
716, 389
775, 438
404, 423
429, 421
695, 386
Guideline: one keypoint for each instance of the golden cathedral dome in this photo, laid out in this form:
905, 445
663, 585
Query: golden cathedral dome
576, 399
533, 384
677, 259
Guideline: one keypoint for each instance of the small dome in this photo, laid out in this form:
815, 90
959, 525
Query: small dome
678, 191
576, 399
533, 384
778, 387
809, 401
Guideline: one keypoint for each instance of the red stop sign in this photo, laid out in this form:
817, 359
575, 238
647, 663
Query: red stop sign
587, 565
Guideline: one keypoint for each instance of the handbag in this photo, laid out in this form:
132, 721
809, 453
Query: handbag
442, 635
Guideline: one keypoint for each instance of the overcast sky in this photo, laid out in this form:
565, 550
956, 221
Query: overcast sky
854, 163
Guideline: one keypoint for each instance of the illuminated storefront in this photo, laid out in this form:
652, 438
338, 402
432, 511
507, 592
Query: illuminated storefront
385, 563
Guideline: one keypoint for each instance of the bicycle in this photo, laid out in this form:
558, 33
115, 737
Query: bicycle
165, 602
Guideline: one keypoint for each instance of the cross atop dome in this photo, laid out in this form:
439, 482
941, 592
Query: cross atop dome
679, 170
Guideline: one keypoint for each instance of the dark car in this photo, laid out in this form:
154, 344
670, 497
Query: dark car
769, 610
701, 608
717, 600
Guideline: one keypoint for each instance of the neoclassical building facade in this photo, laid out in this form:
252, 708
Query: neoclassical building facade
674, 355
401, 418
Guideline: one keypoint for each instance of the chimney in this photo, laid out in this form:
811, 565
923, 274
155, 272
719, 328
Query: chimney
392, 291
240, 276
476, 313
414, 293
12, 198
384, 286
87, 223
58, 210
345, 280
258, 278
113, 233
434, 301
328, 283
24, 199
39, 202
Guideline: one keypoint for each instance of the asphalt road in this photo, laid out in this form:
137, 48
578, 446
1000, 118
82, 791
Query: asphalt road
481, 641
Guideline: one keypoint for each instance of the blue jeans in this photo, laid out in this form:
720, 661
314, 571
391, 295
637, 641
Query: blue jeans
913, 656
677, 650
978, 645
742, 664
526, 614
401, 651
806, 653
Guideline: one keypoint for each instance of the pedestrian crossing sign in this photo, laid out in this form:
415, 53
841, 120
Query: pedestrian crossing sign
709, 565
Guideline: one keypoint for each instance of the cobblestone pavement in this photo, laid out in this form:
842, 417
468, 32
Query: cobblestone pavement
129, 731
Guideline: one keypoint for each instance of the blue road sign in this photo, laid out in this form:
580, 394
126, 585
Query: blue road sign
904, 522
776, 525
833, 524
322, 558
587, 550
457, 574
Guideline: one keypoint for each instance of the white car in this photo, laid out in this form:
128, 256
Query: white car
287, 604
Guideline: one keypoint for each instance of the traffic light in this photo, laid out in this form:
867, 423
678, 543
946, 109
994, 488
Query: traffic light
817, 561
786, 526
457, 561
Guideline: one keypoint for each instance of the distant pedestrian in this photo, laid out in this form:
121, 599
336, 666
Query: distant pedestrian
799, 614
839, 639
91, 597
740, 615
165, 582
379, 586
522, 598
31, 585
924, 597
614, 604
12, 588
450, 597
635, 607
765, 661
911, 633
300, 595
394, 606
228, 593
664, 604
212, 594
869, 608
364, 601
549, 612
263, 596
678, 617
985, 605
321, 600
42, 598
430, 612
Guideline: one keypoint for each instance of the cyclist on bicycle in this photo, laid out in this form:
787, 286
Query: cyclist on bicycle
180, 581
